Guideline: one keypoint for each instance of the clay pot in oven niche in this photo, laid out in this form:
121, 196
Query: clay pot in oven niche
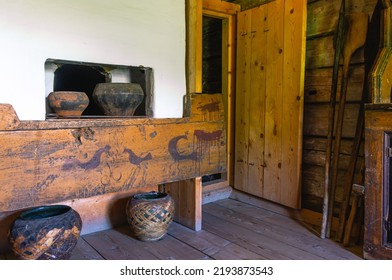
45, 233
118, 99
68, 103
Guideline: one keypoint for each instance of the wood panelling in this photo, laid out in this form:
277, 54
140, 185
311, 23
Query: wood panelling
323, 14
320, 53
321, 25
318, 84
316, 119
269, 100
292, 113
273, 118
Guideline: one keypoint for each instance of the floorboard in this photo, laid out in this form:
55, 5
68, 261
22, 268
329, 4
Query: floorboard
83, 251
231, 230
263, 245
278, 227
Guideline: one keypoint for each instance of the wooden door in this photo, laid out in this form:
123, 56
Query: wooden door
269, 100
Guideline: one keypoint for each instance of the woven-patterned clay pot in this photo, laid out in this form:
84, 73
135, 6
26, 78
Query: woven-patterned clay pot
118, 99
68, 103
45, 233
149, 215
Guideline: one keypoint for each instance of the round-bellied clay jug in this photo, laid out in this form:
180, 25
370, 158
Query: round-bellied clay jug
45, 233
118, 99
149, 215
68, 103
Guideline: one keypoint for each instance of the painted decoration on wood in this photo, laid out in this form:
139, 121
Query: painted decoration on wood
49, 161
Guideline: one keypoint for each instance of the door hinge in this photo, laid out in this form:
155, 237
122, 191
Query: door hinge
389, 151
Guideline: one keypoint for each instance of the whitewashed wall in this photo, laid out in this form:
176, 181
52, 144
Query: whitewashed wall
125, 32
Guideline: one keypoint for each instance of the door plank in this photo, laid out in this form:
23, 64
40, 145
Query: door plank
274, 102
293, 96
242, 100
258, 65
270, 78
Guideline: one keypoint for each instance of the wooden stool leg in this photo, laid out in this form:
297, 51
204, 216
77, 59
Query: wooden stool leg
187, 195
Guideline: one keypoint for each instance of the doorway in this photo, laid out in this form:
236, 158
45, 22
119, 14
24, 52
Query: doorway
218, 70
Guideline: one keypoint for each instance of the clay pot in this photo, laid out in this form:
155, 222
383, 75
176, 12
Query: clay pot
118, 99
68, 103
45, 233
149, 215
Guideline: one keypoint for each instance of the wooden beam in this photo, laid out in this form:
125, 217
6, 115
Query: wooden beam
221, 6
194, 46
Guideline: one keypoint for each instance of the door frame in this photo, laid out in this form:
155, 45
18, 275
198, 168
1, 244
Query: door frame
228, 13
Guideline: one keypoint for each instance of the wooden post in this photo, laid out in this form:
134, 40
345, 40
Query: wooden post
194, 46
187, 195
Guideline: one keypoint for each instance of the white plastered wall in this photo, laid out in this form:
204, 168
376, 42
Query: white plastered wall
124, 32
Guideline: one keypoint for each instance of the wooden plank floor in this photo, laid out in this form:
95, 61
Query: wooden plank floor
232, 230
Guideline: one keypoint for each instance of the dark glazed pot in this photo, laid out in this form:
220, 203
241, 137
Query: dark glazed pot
68, 103
149, 215
118, 99
45, 233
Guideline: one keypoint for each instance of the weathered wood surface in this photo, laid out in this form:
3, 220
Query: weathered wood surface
83, 251
323, 14
380, 77
269, 100
221, 6
321, 26
295, 15
224, 236
318, 114
318, 84
249, 4
319, 53
8, 118
380, 81
377, 123
187, 195
51, 161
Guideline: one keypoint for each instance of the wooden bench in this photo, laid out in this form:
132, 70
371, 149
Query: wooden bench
80, 161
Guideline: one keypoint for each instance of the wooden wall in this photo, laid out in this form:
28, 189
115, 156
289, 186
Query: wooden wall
322, 21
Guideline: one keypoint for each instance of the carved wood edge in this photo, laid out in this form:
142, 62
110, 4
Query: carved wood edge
380, 85
197, 108
8, 118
